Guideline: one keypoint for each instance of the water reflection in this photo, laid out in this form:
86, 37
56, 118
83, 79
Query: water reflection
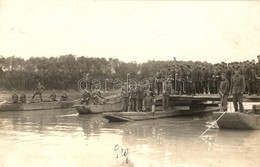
64, 138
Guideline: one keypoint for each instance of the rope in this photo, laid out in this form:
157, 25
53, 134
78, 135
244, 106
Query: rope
212, 124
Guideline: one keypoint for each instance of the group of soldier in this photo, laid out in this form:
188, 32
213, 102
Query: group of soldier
140, 99
38, 91
236, 78
205, 79
94, 97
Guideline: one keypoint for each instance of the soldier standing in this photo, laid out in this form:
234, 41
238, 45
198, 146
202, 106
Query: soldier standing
188, 80
125, 97
39, 90
223, 91
204, 81
194, 80
237, 90
210, 80
253, 79
152, 83
257, 67
181, 80
159, 82
166, 96
133, 96
140, 98
246, 74
216, 80
148, 102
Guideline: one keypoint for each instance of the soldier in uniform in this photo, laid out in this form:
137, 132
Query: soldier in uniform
64, 97
166, 95
257, 68
210, 80
15, 97
23, 98
148, 102
223, 91
53, 96
133, 96
125, 97
152, 83
216, 80
245, 70
97, 97
85, 97
194, 80
181, 80
237, 90
253, 79
39, 90
159, 82
188, 82
140, 97
204, 81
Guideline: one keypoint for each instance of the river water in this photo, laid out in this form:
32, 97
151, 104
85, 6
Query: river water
62, 138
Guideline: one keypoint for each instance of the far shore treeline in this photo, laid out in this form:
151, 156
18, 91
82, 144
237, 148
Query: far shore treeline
65, 71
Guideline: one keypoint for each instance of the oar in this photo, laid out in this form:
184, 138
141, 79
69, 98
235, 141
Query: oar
248, 112
74, 99
5, 100
221, 103
212, 124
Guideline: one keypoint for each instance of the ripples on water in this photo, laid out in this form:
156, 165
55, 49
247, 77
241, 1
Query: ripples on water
64, 138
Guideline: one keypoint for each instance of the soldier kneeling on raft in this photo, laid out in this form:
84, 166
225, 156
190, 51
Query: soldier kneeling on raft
15, 97
85, 97
64, 97
96, 97
23, 98
53, 96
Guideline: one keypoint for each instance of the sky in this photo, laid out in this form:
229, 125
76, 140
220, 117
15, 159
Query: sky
211, 31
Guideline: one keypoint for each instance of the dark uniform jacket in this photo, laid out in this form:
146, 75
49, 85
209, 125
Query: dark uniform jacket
86, 95
133, 94
246, 72
23, 98
195, 75
125, 93
253, 74
140, 93
188, 75
237, 84
257, 68
224, 87
167, 90
39, 89
15, 98
204, 75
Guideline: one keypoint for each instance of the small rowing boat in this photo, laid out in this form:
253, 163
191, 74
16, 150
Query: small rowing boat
138, 116
30, 106
238, 120
98, 108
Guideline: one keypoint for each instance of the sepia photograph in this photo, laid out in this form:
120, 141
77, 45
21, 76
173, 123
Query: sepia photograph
129, 83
